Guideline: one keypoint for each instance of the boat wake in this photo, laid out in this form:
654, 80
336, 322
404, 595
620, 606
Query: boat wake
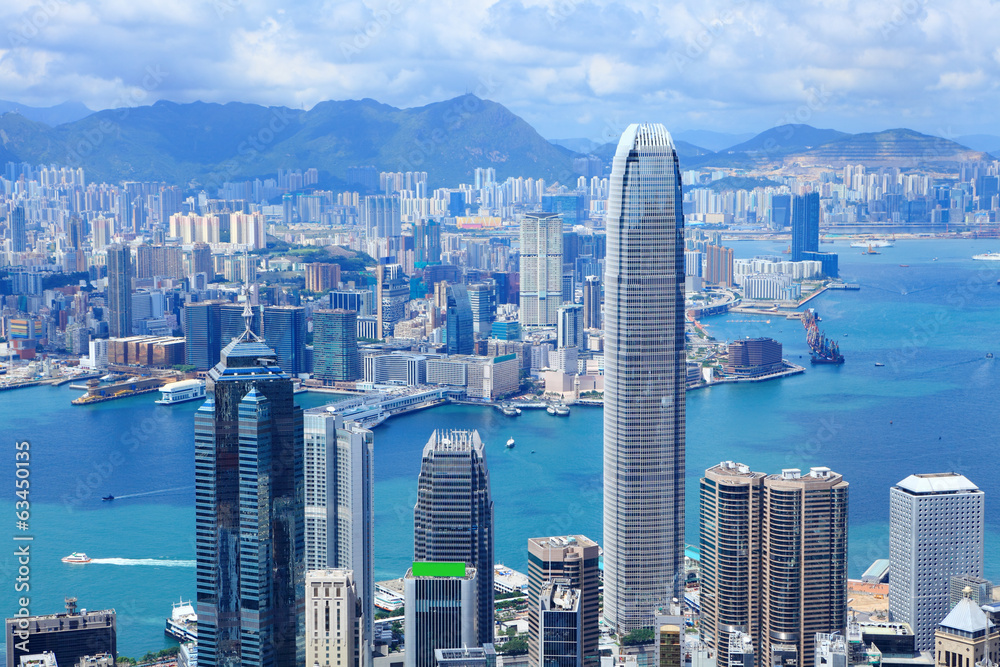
153, 493
150, 562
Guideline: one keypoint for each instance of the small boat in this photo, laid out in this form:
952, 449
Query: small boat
989, 355
934, 259
551, 410
108, 497
904, 266
510, 444
879, 363
532, 451
76, 557
562, 410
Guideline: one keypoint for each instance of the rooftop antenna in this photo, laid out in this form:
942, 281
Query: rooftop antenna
248, 335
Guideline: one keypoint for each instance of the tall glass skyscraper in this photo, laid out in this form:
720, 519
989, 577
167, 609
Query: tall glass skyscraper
459, 318
453, 517
805, 225
644, 376
120, 274
249, 504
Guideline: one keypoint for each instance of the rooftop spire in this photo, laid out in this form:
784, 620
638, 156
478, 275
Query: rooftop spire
248, 335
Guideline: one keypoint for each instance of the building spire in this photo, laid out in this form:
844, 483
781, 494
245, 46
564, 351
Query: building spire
248, 334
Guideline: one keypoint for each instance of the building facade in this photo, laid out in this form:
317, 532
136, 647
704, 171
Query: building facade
936, 526
453, 516
441, 610
203, 334
592, 302
120, 275
805, 225
644, 380
67, 636
459, 321
334, 620
336, 357
541, 269
285, 333
250, 547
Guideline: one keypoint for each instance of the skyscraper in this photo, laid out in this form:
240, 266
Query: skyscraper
569, 327
120, 274
333, 620
285, 333
560, 626
18, 233
644, 380
719, 265
339, 502
202, 334
453, 517
936, 525
249, 504
572, 560
592, 302
730, 523
459, 321
541, 268
805, 225
441, 610
482, 299
803, 572
336, 357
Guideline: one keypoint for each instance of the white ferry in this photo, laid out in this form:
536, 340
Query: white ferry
181, 392
183, 622
76, 557
988, 257
873, 243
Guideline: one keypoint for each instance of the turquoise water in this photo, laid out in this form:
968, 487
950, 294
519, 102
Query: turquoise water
932, 407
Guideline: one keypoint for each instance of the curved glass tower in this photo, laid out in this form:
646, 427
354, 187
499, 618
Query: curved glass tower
644, 381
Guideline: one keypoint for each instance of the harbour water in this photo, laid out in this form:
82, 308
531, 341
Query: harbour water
930, 408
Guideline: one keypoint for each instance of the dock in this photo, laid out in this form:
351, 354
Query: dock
126, 389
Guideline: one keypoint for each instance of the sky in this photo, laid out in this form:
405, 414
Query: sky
571, 68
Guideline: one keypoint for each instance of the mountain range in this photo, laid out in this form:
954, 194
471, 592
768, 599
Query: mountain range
204, 144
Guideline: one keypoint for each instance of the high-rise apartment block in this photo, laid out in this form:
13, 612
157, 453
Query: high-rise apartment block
120, 275
18, 233
453, 516
339, 506
441, 610
541, 269
569, 328
936, 525
719, 265
322, 277
773, 560
249, 508
644, 380
334, 620
573, 561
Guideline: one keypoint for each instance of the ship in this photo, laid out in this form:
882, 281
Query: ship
76, 557
822, 350
181, 392
510, 444
183, 623
108, 497
873, 243
987, 257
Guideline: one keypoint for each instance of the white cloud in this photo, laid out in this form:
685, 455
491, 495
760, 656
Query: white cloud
570, 67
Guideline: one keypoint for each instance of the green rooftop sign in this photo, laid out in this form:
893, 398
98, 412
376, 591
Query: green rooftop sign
424, 569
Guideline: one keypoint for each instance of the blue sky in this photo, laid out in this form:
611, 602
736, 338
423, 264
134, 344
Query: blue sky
570, 68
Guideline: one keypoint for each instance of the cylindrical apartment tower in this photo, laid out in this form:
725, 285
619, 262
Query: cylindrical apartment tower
644, 381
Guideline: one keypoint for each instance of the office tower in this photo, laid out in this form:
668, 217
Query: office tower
339, 502
730, 534
781, 212
453, 516
285, 333
966, 637
936, 525
334, 619
120, 274
233, 324
336, 357
568, 288
68, 636
541, 268
482, 299
202, 334
441, 609
201, 260
18, 232
394, 293
805, 225
560, 625
644, 381
459, 321
572, 559
803, 555
249, 545
979, 590
670, 628
569, 326
592, 302
719, 265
